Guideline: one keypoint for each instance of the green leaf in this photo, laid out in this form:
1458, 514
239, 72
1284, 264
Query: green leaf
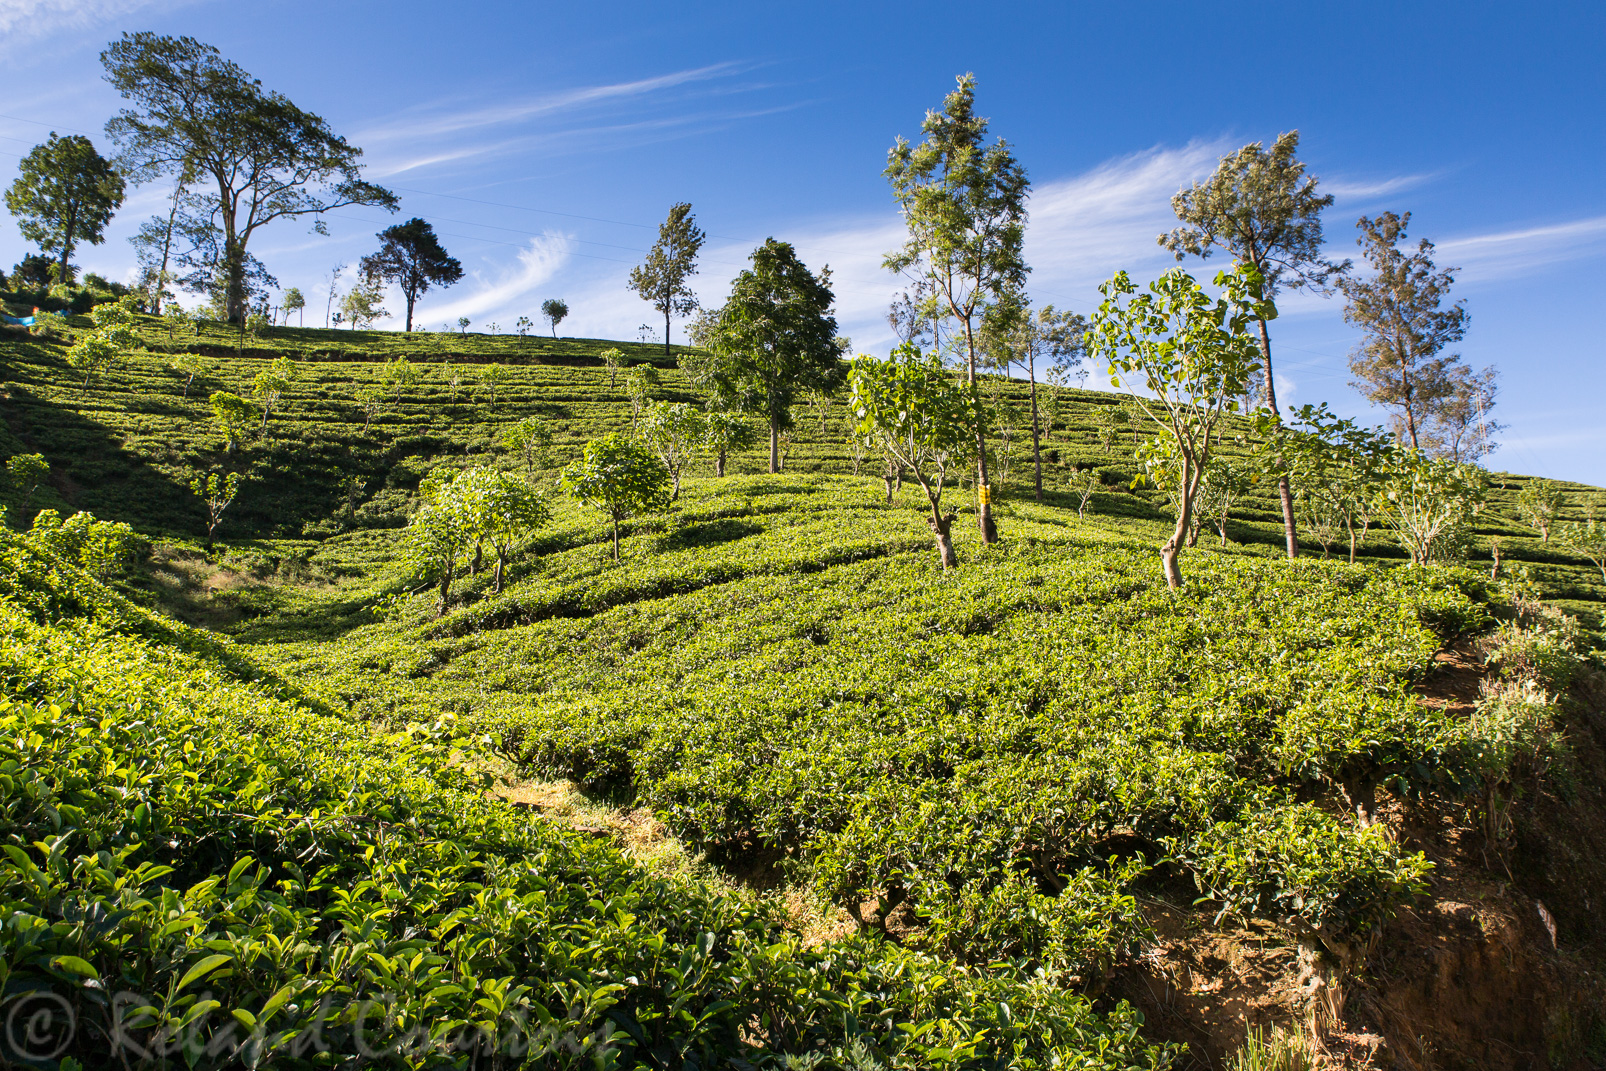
202, 969
74, 965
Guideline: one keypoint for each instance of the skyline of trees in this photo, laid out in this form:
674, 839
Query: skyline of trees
963, 201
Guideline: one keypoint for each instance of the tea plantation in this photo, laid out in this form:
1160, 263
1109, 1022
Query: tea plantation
285, 841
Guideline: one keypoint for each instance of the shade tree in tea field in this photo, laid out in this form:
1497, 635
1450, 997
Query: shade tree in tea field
676, 431
1403, 313
911, 407
725, 433
217, 493
1051, 337
194, 114
620, 476
663, 279
1539, 504
554, 311
773, 340
1262, 209
412, 258
964, 206
1192, 355
65, 193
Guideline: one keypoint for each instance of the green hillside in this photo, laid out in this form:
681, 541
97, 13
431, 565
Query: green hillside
913, 818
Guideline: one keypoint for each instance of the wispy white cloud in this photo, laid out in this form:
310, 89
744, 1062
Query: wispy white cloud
418, 123
546, 144
483, 298
22, 21
1082, 230
1360, 190
1503, 254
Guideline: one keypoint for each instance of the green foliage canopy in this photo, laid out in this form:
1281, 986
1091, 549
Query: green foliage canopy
65, 193
773, 339
619, 476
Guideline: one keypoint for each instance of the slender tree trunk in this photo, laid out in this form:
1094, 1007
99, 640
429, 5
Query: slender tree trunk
1284, 492
719, 463
984, 490
167, 248
674, 476
501, 562
1037, 444
66, 241
479, 559
446, 589
410, 299
1349, 523
940, 523
887, 479
1173, 546
775, 448
666, 329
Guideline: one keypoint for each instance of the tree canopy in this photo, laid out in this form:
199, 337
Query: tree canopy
619, 476
1192, 356
555, 309
1407, 324
202, 118
65, 193
911, 407
1262, 209
964, 204
661, 279
411, 257
774, 338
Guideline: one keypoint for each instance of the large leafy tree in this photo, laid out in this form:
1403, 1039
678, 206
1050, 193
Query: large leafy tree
65, 193
1407, 325
412, 258
258, 156
773, 338
1260, 208
964, 203
1193, 357
662, 279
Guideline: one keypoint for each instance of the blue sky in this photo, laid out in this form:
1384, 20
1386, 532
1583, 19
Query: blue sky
546, 141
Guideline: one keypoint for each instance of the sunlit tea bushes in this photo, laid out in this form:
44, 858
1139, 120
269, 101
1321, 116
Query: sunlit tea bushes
995, 760
198, 866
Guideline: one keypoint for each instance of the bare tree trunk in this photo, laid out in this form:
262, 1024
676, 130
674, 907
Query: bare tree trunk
940, 523
984, 496
666, 329
887, 478
719, 463
67, 242
674, 477
1284, 492
1173, 546
501, 562
1037, 444
446, 589
167, 248
775, 448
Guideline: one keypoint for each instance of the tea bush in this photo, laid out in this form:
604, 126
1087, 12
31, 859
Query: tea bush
203, 868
